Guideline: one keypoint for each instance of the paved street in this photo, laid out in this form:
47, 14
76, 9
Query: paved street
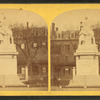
24, 89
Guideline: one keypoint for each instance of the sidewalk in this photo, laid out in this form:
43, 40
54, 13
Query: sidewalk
23, 89
55, 88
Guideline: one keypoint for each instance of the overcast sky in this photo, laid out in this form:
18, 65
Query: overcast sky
71, 19
22, 16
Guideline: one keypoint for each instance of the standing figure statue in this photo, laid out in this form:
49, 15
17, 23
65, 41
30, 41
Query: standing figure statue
86, 35
5, 35
8, 38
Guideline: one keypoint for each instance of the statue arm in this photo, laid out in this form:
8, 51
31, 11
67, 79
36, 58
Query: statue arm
9, 33
11, 36
2, 33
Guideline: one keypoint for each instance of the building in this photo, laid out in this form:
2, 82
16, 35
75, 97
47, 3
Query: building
63, 47
32, 46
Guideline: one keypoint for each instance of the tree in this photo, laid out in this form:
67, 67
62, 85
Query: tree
29, 42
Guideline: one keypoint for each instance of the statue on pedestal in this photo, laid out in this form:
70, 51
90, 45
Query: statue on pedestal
8, 57
87, 61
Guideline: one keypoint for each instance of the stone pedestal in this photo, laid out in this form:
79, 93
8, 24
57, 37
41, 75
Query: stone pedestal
8, 66
87, 68
85, 81
87, 64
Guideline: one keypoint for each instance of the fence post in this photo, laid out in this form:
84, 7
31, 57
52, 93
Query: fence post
74, 72
3, 81
26, 73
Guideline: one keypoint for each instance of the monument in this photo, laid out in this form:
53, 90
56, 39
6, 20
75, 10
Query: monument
8, 58
87, 63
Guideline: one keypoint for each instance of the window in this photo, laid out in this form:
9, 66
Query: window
34, 45
44, 70
66, 71
23, 71
58, 49
72, 35
36, 33
23, 46
57, 59
66, 59
55, 49
57, 70
35, 70
75, 46
67, 47
43, 44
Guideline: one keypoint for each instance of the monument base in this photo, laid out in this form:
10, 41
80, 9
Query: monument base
87, 70
85, 81
8, 69
87, 63
10, 80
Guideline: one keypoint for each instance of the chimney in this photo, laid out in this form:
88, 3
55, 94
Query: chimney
56, 28
53, 28
81, 25
27, 24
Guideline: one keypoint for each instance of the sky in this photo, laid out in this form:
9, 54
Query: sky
18, 16
71, 19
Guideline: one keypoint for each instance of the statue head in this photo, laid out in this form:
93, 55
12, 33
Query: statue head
85, 23
86, 18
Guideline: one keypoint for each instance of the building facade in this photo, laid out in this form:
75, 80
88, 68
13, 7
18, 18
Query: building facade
32, 47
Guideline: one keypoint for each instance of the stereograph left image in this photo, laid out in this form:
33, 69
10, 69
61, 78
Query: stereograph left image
23, 51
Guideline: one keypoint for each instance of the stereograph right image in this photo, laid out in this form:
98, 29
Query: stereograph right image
75, 50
